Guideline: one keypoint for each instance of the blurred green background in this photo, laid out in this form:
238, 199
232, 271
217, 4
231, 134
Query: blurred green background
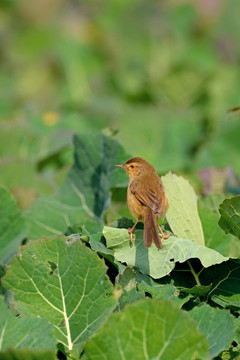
161, 74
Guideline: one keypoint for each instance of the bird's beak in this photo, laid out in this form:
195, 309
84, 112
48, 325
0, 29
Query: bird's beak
120, 165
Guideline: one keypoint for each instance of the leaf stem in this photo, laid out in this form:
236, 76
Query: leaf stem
194, 274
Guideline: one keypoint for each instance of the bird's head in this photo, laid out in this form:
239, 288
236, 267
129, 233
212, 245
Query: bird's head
135, 166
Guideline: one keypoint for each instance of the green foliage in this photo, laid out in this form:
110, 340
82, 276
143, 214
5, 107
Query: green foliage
13, 354
148, 329
217, 325
24, 333
99, 81
152, 261
230, 216
65, 284
12, 226
84, 195
182, 215
61, 279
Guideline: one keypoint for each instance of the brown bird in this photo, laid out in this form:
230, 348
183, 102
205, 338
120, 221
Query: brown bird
146, 199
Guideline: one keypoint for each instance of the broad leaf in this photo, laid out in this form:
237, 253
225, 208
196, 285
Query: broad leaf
152, 261
161, 291
85, 194
217, 325
126, 283
230, 216
182, 214
214, 236
19, 354
197, 290
98, 246
149, 329
226, 283
24, 333
12, 226
65, 284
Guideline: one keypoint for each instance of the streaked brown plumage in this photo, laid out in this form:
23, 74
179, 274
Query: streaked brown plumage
146, 199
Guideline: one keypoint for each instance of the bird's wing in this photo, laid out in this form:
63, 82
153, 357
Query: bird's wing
150, 198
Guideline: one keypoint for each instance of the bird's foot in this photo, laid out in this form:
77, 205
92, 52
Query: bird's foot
164, 236
131, 231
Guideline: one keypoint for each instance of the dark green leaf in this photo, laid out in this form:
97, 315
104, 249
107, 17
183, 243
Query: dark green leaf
225, 280
13, 354
85, 194
24, 333
127, 282
230, 216
12, 226
162, 291
217, 325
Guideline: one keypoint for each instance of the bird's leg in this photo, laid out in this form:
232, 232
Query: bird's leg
163, 235
131, 231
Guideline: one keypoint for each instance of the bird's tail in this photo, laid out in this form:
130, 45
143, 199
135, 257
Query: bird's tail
150, 230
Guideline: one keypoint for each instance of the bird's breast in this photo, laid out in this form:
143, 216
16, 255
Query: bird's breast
134, 205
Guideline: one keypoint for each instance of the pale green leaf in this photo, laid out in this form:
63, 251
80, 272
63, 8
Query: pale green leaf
12, 226
217, 325
157, 263
148, 329
65, 284
182, 214
23, 333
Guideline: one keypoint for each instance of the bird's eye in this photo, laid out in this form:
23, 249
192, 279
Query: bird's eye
131, 166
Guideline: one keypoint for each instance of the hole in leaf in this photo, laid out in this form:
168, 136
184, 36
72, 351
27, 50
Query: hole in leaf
148, 294
24, 241
61, 355
171, 260
52, 267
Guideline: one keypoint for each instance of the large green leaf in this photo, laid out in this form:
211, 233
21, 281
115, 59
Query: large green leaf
148, 329
65, 284
161, 291
182, 214
226, 283
24, 354
152, 261
217, 325
226, 244
85, 194
214, 236
126, 285
12, 226
230, 215
24, 333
